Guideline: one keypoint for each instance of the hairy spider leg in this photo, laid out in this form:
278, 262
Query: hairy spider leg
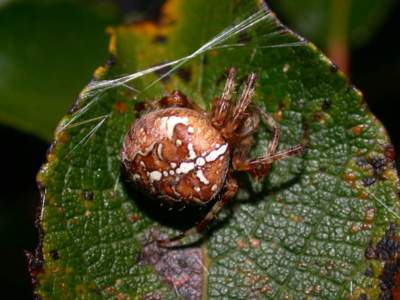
276, 132
259, 167
230, 190
239, 112
221, 105
242, 151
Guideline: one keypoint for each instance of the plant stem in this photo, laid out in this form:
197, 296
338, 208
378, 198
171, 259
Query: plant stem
338, 48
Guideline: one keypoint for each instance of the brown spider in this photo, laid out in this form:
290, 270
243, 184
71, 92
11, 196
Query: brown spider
179, 153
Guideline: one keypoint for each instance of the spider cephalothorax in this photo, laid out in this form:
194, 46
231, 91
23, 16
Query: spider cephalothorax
179, 153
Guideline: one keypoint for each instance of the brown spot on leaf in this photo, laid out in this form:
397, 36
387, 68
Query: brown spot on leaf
349, 178
181, 268
355, 228
369, 215
255, 243
378, 168
121, 296
363, 195
319, 117
390, 152
148, 28
62, 137
257, 282
266, 289
387, 250
213, 53
170, 11
120, 107
241, 244
278, 116
99, 72
35, 265
357, 130
133, 218
296, 218
110, 290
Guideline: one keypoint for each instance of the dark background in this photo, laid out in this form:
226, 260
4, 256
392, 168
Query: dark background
375, 70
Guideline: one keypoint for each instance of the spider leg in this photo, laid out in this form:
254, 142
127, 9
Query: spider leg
276, 132
269, 159
247, 128
221, 105
239, 112
259, 167
230, 190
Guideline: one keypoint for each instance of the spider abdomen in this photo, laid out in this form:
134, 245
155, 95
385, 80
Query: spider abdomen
176, 154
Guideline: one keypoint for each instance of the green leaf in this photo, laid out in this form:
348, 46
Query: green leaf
318, 20
320, 226
48, 51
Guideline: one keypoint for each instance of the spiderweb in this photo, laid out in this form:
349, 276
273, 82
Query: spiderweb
244, 37
261, 25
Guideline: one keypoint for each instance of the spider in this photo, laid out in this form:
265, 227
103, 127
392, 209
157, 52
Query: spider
179, 153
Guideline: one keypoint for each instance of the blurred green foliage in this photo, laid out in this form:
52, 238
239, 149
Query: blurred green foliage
48, 51
314, 18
